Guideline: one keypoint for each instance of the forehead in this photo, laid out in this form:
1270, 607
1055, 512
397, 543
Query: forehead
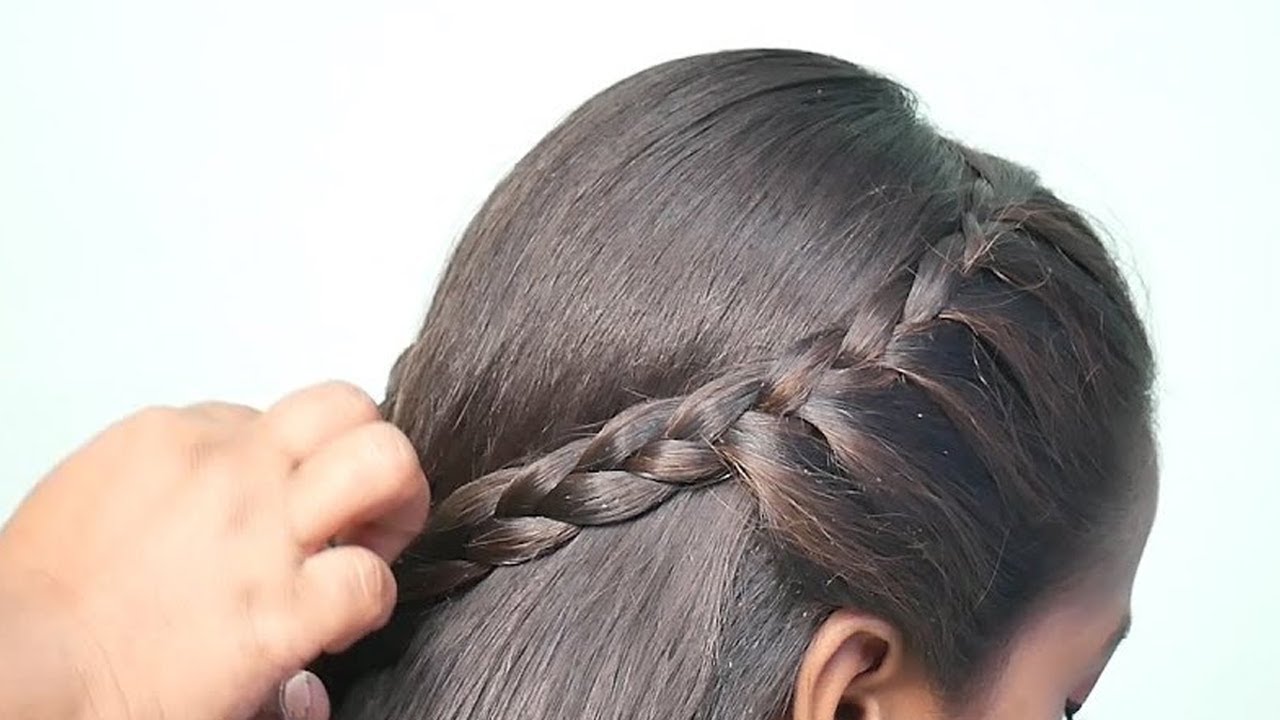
1131, 537
1076, 628
1106, 583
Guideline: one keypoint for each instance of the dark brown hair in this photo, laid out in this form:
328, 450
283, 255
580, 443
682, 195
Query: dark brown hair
742, 341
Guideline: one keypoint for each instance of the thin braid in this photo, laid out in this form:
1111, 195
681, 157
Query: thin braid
650, 451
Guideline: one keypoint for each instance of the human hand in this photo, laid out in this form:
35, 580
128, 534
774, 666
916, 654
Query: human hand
179, 565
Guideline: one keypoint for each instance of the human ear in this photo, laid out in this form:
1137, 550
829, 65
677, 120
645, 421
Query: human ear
856, 668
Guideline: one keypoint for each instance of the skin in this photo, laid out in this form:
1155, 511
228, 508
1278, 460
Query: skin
199, 573
857, 667
180, 564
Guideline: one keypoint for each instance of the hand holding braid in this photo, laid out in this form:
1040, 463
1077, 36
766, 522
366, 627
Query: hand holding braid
652, 450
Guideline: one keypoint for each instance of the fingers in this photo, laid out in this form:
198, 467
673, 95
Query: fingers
365, 486
303, 421
301, 697
342, 594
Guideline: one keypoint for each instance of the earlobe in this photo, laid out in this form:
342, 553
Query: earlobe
854, 668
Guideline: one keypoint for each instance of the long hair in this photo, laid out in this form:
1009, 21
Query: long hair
745, 340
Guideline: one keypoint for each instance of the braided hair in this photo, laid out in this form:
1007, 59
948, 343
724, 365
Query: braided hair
939, 452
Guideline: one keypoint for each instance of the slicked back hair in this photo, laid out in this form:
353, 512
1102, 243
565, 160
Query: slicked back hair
745, 340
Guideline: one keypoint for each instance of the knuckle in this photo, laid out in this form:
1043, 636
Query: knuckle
157, 418
349, 400
160, 427
224, 411
204, 456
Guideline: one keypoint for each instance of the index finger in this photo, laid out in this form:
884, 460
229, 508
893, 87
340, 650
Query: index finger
364, 488
390, 534
304, 421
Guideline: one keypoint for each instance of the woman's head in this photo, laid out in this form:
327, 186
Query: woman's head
749, 394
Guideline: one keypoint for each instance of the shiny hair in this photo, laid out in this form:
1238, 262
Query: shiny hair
745, 340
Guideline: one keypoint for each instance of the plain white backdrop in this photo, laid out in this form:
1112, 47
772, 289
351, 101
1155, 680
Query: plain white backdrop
232, 199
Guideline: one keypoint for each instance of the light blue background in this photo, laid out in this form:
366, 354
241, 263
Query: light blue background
232, 199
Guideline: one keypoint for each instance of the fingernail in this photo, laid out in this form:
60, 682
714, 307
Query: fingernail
303, 697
